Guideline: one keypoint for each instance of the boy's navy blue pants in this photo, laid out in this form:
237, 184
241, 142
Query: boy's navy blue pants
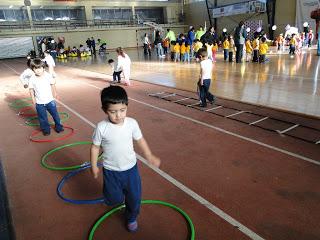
123, 187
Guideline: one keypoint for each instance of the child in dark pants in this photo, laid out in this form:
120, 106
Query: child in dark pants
43, 93
115, 134
205, 78
116, 70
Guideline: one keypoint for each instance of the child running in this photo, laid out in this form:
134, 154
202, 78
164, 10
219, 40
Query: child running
115, 134
43, 91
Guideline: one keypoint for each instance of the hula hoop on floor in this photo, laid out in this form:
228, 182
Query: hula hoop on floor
117, 209
45, 156
36, 132
20, 103
25, 109
63, 119
75, 201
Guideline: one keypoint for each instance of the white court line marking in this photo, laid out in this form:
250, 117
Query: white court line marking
182, 187
288, 129
155, 94
260, 120
180, 100
234, 114
221, 130
11, 68
212, 108
169, 95
193, 104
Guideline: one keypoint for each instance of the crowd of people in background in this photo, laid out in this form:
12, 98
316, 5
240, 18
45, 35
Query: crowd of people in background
58, 50
236, 47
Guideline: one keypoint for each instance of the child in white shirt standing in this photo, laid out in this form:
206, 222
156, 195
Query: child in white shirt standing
115, 135
43, 91
116, 70
205, 78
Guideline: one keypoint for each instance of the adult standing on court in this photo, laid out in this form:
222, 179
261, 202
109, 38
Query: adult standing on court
190, 39
199, 33
171, 36
124, 63
146, 45
93, 46
209, 36
239, 39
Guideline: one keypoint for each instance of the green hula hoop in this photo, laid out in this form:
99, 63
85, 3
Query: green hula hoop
20, 103
45, 156
63, 119
116, 209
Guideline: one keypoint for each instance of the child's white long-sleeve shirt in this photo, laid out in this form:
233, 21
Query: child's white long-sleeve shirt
26, 76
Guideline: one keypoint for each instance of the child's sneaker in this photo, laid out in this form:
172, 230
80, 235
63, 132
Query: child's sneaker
59, 130
132, 226
46, 133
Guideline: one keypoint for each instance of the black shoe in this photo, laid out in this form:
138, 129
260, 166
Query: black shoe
60, 130
46, 133
202, 105
212, 102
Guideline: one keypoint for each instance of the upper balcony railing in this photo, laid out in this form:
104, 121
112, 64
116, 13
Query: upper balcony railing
74, 24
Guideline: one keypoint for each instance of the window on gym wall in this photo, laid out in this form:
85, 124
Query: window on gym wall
13, 15
58, 14
112, 16
112, 13
150, 14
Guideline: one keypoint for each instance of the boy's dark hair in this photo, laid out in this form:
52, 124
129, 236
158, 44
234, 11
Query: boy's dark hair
202, 52
110, 61
113, 95
263, 39
173, 42
37, 63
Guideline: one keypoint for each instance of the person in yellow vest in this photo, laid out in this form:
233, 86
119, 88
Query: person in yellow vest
196, 46
187, 54
255, 46
226, 46
292, 45
182, 51
176, 50
280, 42
249, 50
263, 48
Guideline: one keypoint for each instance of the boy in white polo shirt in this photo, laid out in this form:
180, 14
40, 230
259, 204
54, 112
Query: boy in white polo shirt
115, 134
205, 78
43, 91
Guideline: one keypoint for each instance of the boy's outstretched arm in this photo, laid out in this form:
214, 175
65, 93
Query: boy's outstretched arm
143, 145
94, 154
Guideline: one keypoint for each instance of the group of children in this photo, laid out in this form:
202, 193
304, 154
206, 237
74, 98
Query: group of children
115, 135
255, 50
74, 52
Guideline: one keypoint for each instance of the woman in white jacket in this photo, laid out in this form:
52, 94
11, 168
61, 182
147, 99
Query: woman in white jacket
124, 63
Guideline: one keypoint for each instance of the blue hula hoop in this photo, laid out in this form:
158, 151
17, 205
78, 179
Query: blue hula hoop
76, 201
